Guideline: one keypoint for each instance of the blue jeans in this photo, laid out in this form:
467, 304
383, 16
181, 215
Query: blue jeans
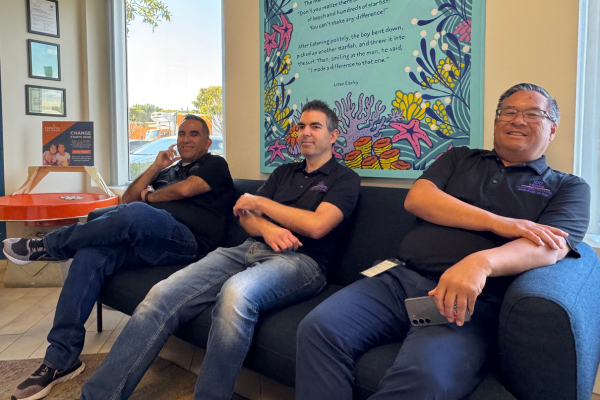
131, 235
243, 281
434, 362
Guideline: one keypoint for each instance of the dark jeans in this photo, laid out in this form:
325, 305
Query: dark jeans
244, 281
131, 235
434, 362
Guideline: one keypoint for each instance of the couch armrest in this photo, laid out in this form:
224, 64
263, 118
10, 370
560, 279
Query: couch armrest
549, 332
99, 212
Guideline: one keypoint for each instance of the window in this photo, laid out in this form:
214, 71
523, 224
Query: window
587, 128
167, 62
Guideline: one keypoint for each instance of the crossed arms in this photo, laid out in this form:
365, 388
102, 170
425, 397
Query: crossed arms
312, 224
534, 245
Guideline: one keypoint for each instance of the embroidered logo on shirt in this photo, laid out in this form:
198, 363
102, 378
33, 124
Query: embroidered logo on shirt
535, 187
320, 186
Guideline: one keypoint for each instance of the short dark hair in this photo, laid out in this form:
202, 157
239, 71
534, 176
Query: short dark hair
199, 119
553, 112
318, 105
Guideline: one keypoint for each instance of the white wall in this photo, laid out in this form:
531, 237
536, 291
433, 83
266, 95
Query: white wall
84, 75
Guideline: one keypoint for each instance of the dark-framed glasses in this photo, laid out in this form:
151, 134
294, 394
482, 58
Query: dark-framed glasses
529, 115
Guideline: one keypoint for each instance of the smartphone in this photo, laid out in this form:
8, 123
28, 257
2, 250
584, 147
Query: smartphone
423, 311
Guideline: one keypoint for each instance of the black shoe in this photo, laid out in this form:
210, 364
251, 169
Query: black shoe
40, 383
24, 251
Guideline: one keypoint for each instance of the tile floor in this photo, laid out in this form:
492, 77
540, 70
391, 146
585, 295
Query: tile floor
26, 316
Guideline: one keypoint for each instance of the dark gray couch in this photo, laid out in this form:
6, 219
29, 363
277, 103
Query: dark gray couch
549, 332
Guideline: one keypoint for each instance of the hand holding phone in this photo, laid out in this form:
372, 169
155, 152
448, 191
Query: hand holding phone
423, 311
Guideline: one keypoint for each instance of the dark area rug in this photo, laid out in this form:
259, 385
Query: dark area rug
163, 381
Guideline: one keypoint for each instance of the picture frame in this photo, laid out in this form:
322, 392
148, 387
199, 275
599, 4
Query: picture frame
48, 101
44, 60
42, 17
405, 79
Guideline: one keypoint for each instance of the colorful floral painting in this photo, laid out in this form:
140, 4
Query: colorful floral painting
427, 104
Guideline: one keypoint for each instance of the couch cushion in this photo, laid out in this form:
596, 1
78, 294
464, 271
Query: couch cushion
129, 286
380, 212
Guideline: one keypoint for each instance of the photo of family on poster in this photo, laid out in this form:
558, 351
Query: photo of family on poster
56, 155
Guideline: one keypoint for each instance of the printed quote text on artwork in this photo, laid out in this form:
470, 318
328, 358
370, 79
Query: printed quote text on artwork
355, 49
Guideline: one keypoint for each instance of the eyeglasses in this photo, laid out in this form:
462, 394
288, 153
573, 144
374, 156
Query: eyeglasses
529, 115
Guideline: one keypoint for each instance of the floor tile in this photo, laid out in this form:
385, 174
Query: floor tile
30, 317
114, 335
94, 341
247, 384
10, 295
179, 352
197, 360
40, 352
30, 341
110, 319
7, 340
22, 305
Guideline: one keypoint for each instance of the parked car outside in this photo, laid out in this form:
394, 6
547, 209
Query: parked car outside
152, 134
137, 143
141, 158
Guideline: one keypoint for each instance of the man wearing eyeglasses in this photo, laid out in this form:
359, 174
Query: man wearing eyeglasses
484, 217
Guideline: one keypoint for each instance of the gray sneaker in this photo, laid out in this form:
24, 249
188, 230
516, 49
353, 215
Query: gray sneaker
23, 251
40, 383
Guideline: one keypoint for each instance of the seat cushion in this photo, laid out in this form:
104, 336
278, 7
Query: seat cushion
127, 288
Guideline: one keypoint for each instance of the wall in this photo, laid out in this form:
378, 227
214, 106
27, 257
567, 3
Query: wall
527, 45
84, 73
523, 44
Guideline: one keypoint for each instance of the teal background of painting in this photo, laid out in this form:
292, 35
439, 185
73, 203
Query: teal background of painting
41, 58
380, 81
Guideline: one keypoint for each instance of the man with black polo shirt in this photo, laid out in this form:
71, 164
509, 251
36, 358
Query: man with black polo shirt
484, 217
174, 213
294, 220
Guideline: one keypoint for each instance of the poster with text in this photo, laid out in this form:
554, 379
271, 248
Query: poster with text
404, 77
68, 143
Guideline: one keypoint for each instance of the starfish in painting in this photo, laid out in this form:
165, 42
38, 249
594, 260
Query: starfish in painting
335, 154
411, 132
270, 43
285, 32
275, 150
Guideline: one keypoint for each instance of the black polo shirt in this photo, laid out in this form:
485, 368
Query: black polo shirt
531, 191
205, 214
333, 183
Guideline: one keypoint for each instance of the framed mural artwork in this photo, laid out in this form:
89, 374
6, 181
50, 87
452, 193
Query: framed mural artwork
404, 77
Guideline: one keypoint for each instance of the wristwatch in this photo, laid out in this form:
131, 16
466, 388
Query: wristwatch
146, 197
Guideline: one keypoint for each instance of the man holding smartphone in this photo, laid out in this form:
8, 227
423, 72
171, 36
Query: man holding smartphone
484, 217
174, 213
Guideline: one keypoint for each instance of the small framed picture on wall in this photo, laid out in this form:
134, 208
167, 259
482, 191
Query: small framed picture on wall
42, 17
40, 100
44, 60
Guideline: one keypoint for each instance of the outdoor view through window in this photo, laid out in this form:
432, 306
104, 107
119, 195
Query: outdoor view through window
174, 68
